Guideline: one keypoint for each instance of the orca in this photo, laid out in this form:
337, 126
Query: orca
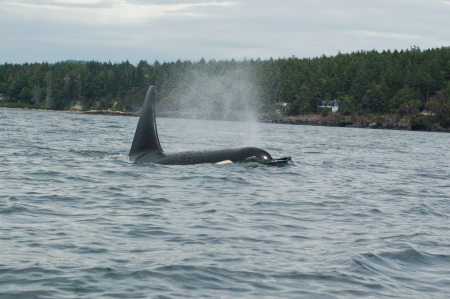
147, 149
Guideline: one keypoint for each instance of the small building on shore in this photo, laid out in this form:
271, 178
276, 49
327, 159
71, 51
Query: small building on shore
332, 105
281, 108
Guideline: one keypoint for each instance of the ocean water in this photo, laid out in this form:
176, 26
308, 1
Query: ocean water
359, 213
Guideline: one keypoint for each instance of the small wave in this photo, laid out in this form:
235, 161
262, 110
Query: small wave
211, 211
209, 273
254, 240
82, 178
329, 164
210, 179
276, 203
147, 201
433, 174
148, 232
27, 294
395, 268
13, 198
412, 256
119, 157
98, 154
87, 250
30, 270
121, 173
13, 209
425, 209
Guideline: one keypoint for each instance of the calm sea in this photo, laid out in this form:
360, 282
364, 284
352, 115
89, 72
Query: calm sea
358, 213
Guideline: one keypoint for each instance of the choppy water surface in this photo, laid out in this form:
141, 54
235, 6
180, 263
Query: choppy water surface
359, 213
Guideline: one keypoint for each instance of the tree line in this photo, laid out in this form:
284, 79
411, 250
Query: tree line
404, 82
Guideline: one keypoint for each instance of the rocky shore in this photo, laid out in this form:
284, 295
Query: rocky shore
392, 122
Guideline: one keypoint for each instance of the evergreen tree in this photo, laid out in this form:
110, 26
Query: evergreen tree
403, 82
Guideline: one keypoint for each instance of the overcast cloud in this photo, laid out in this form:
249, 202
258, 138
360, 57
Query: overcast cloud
119, 30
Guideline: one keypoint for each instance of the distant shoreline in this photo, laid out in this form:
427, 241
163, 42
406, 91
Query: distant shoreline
384, 122
92, 112
363, 123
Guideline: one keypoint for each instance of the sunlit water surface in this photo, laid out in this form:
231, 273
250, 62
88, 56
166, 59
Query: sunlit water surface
359, 213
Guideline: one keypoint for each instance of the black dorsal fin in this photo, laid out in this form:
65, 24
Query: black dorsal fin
146, 135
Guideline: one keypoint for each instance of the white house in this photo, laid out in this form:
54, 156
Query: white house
332, 105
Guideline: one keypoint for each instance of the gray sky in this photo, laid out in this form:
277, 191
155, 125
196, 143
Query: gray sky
119, 30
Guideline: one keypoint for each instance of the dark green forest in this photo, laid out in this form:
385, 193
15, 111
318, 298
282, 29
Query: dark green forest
405, 82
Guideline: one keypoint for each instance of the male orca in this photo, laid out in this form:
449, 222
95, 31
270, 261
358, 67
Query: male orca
146, 147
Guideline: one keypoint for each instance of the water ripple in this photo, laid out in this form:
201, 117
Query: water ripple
359, 213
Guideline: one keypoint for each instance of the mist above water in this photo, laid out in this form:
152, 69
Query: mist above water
226, 95
229, 94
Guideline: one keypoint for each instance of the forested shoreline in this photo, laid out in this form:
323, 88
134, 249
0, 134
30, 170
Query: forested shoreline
367, 84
